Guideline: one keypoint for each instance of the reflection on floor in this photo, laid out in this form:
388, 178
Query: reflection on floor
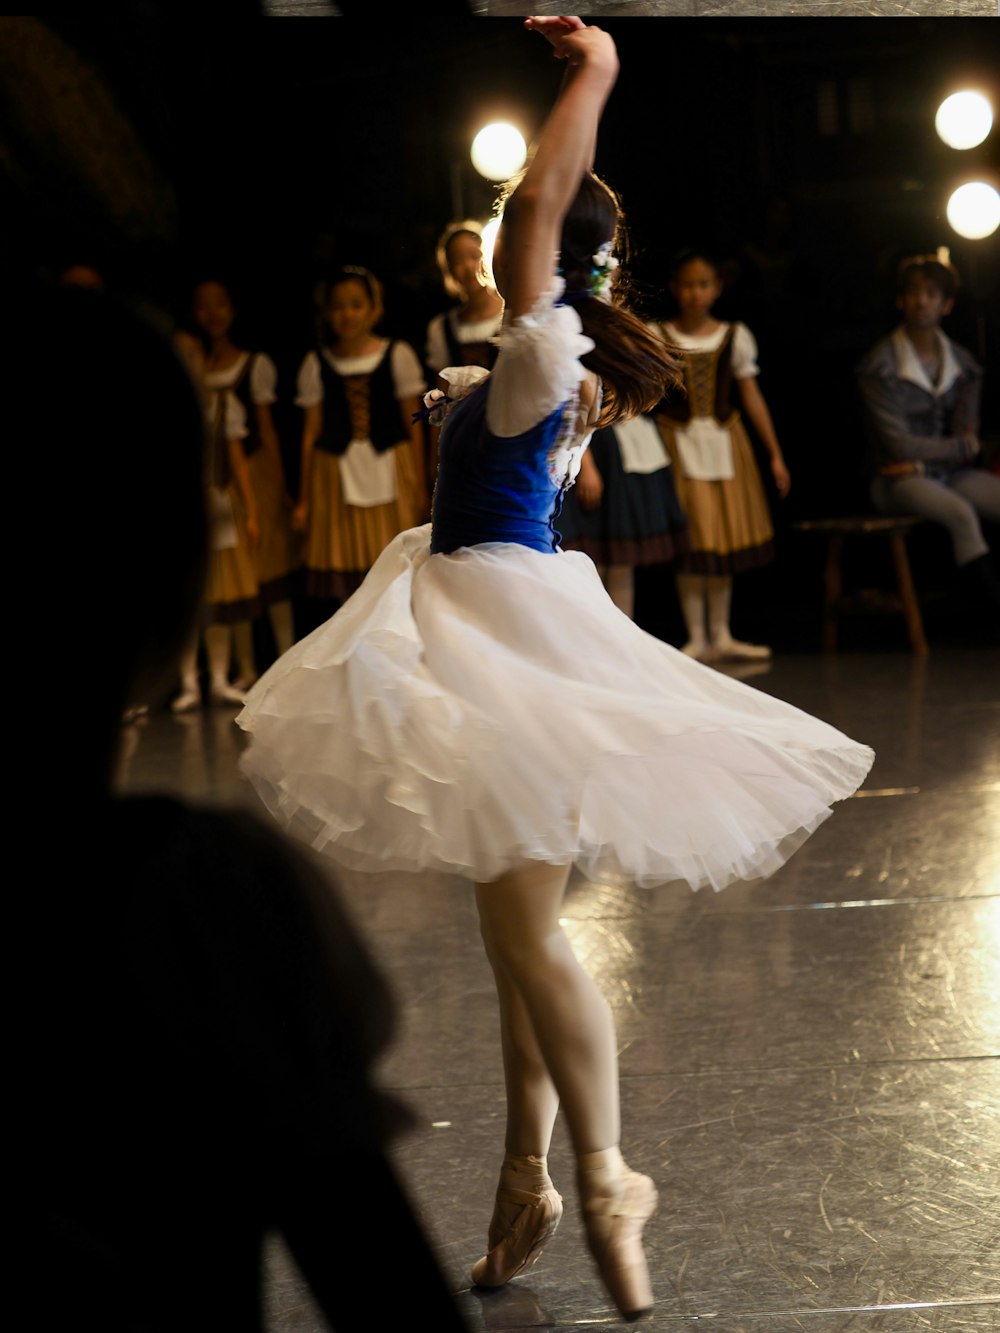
810, 1065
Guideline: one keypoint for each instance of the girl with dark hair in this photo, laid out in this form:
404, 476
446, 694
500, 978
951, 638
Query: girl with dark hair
465, 334
481, 707
251, 377
623, 510
362, 477
718, 481
232, 590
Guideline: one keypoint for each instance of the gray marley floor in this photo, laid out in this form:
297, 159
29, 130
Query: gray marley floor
810, 1065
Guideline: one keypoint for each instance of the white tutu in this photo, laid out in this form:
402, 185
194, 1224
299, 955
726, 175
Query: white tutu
469, 712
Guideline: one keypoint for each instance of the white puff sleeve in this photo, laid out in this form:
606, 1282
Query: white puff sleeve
263, 380
235, 416
744, 353
538, 366
407, 372
309, 382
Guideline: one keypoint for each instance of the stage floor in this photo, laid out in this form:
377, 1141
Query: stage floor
810, 1066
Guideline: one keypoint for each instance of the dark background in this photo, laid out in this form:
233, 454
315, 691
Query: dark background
802, 150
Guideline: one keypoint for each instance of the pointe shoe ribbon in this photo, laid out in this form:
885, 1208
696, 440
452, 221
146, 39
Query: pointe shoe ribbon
614, 1237
523, 1239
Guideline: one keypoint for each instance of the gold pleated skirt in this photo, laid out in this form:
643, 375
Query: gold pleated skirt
278, 558
343, 541
729, 522
233, 592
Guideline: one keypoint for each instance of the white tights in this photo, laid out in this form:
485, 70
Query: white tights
557, 1031
705, 604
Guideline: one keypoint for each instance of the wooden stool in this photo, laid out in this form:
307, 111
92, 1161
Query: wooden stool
903, 601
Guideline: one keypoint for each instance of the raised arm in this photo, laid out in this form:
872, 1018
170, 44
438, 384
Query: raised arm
530, 233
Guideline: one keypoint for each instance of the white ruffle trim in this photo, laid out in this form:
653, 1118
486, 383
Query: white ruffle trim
469, 712
538, 366
461, 379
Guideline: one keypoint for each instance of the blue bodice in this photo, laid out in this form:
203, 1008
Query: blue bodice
492, 489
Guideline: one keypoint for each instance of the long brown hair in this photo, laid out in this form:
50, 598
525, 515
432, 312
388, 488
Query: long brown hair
636, 367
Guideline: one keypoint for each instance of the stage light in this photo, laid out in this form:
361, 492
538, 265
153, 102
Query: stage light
498, 151
964, 119
974, 210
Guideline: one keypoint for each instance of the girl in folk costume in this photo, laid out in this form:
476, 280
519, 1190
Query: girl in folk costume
480, 707
466, 334
252, 378
623, 511
232, 598
363, 476
718, 482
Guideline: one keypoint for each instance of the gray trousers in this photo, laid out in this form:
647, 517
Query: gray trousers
957, 502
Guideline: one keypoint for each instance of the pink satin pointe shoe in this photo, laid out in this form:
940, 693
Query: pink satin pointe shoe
516, 1246
614, 1238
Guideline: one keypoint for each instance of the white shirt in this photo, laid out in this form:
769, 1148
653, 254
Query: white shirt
263, 377
368, 477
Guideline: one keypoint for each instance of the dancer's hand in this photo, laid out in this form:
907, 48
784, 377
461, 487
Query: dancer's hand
554, 29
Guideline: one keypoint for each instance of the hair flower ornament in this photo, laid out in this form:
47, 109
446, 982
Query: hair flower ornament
602, 273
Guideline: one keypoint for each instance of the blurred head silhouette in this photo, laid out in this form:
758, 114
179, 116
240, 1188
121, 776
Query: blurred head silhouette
113, 449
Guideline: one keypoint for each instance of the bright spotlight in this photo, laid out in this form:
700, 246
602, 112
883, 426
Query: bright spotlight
974, 210
964, 119
498, 151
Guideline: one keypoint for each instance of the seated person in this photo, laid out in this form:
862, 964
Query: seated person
921, 395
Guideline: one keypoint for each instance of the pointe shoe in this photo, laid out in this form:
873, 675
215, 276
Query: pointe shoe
733, 650
521, 1241
614, 1238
